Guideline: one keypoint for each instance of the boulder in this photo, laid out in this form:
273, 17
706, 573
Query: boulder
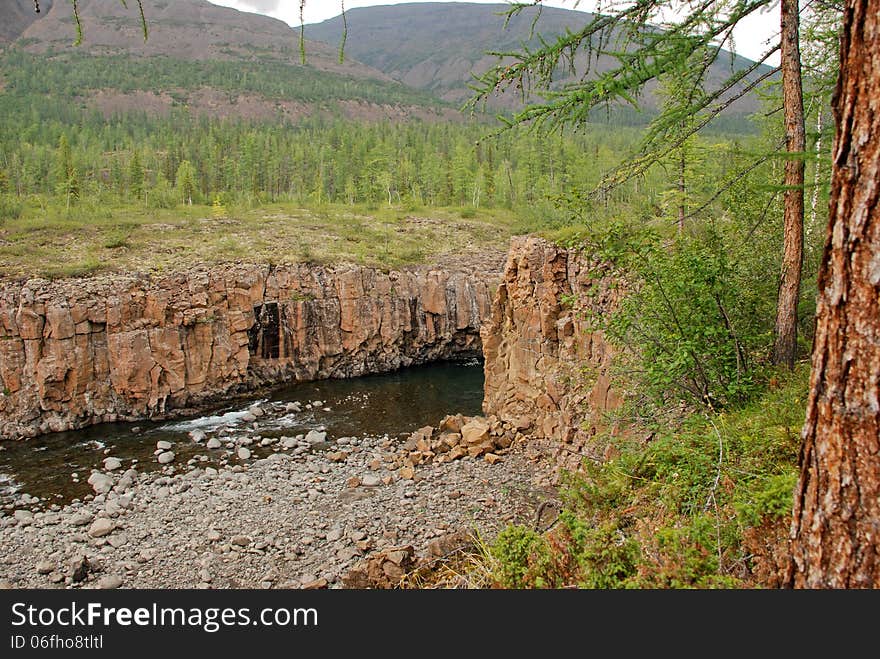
475, 431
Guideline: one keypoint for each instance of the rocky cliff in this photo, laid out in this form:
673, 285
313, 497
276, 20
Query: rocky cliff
547, 370
77, 352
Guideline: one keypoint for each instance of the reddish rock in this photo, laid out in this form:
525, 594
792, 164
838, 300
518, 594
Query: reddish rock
452, 424
384, 569
547, 370
475, 431
81, 351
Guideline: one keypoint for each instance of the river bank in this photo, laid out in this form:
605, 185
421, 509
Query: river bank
285, 521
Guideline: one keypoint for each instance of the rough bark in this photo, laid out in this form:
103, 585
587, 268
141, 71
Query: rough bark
785, 348
835, 530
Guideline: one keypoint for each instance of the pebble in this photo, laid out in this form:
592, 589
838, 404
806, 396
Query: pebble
166, 457
214, 443
117, 541
315, 437
112, 464
347, 553
101, 527
45, 567
197, 435
110, 582
101, 483
229, 525
243, 453
162, 445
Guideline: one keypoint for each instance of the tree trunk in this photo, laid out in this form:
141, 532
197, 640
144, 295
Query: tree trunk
682, 164
784, 351
835, 530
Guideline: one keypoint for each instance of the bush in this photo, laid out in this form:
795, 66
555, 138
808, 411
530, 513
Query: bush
117, 238
574, 553
688, 557
517, 549
687, 328
162, 195
10, 207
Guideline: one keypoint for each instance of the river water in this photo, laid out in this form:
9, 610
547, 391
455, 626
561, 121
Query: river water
55, 467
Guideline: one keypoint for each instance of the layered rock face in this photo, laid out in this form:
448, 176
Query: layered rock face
547, 370
77, 352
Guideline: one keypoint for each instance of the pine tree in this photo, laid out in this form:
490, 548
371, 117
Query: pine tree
136, 176
66, 175
836, 516
185, 181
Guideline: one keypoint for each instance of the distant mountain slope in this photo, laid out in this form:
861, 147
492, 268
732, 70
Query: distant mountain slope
17, 15
214, 60
183, 29
436, 46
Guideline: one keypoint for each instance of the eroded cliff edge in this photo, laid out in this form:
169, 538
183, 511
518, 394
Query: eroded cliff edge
548, 371
78, 352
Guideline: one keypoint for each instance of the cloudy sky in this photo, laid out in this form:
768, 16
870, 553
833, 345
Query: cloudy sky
751, 36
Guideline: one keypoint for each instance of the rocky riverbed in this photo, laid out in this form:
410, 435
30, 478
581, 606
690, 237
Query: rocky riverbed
302, 517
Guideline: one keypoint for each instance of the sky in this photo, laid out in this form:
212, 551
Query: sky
751, 36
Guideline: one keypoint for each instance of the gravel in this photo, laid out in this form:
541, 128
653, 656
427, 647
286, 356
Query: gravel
286, 521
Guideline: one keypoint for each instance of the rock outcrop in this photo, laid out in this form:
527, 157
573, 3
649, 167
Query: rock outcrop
77, 352
547, 370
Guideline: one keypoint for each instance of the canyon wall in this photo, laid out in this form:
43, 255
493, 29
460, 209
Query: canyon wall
547, 370
77, 352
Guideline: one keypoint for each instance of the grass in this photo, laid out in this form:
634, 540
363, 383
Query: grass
704, 505
47, 240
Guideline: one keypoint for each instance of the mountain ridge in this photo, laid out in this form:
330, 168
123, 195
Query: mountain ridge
216, 61
402, 41
186, 29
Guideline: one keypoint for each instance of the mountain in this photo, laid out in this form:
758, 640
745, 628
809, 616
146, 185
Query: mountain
17, 15
215, 60
437, 46
183, 29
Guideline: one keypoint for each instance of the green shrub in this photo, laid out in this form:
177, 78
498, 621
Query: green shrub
10, 207
516, 550
606, 557
686, 328
162, 195
770, 497
116, 238
688, 556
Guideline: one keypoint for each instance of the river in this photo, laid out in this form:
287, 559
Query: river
54, 468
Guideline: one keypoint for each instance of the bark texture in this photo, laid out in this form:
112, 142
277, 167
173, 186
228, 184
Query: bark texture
835, 532
785, 348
